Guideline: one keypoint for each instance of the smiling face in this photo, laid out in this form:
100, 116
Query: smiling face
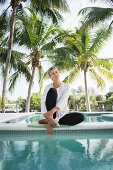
54, 74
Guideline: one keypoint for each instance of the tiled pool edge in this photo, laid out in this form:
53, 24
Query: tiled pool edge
58, 131
22, 135
82, 128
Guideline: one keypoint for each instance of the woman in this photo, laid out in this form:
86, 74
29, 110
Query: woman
54, 104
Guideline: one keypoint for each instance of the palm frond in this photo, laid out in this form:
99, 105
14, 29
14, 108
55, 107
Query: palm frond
105, 63
47, 33
23, 69
48, 46
84, 36
74, 73
99, 39
46, 4
95, 15
61, 54
50, 9
3, 23
52, 37
15, 56
98, 79
73, 44
33, 16
106, 73
25, 33
21, 35
53, 15
61, 35
12, 81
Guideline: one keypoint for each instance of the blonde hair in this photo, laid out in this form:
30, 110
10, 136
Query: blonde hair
51, 68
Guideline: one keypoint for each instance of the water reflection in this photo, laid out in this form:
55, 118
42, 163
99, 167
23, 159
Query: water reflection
57, 154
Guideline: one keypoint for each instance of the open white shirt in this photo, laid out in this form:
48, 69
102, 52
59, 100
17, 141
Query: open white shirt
62, 100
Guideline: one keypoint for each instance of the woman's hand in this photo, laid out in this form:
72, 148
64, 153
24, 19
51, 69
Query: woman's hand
49, 114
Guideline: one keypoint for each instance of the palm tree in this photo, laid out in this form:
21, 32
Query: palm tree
14, 4
39, 38
97, 15
81, 49
17, 67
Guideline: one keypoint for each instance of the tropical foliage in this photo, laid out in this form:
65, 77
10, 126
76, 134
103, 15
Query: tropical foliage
73, 51
81, 49
40, 38
16, 6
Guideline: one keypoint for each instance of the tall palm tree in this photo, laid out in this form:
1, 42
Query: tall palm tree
39, 38
14, 4
81, 50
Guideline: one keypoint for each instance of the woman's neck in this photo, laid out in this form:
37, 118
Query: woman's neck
56, 84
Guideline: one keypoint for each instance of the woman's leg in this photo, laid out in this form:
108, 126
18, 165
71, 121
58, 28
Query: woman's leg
73, 118
50, 103
51, 99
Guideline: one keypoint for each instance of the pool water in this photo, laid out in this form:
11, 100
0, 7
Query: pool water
88, 118
54, 154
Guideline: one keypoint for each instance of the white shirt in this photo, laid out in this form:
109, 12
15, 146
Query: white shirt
62, 100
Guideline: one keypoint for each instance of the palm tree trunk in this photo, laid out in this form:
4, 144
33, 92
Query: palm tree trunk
86, 93
40, 87
40, 82
29, 91
10, 45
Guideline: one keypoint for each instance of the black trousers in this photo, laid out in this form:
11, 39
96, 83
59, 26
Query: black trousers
72, 118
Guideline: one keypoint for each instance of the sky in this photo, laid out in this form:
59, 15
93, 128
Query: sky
71, 20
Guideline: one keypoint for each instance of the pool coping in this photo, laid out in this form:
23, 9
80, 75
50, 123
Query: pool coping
16, 128
81, 126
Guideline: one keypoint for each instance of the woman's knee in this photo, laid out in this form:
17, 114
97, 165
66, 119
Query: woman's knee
52, 91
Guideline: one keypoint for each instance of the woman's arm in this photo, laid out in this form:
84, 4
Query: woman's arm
43, 99
62, 103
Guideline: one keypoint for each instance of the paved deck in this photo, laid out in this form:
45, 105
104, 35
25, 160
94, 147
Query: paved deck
6, 117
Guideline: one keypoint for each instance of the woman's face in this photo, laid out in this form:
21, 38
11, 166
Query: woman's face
54, 74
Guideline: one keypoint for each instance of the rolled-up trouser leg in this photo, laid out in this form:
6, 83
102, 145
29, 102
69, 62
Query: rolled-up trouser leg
72, 118
51, 99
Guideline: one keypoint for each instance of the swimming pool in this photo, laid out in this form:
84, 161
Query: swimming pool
87, 146
89, 117
54, 154
92, 117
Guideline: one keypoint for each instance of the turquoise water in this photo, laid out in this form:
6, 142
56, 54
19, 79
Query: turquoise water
91, 118
54, 154
35, 118
88, 118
